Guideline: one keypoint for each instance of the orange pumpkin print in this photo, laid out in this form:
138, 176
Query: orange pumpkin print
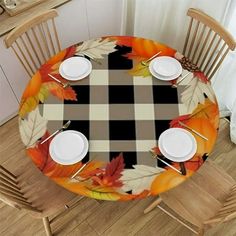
204, 127
167, 180
147, 48
143, 48
208, 110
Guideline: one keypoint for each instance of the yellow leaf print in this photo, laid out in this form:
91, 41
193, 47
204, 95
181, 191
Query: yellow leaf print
140, 70
30, 103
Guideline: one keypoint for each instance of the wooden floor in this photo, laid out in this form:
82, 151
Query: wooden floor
93, 217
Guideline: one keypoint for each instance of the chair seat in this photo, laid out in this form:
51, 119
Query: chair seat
44, 194
200, 197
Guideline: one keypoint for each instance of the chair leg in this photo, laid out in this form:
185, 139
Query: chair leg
153, 205
201, 232
47, 226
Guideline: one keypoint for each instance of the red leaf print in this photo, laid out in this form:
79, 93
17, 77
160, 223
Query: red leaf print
175, 122
112, 173
37, 157
70, 52
200, 75
193, 164
48, 69
156, 151
40, 154
173, 82
45, 70
114, 168
62, 55
123, 41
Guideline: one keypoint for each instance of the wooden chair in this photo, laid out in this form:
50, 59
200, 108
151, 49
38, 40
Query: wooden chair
207, 42
206, 199
37, 194
35, 41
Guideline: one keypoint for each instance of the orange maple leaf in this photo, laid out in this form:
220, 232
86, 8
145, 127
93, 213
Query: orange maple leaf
92, 169
62, 93
73, 186
56, 170
112, 173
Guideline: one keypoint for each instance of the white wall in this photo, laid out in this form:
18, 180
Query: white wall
78, 20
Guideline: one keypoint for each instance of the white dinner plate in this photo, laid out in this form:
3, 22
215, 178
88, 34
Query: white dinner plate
165, 68
75, 68
68, 147
177, 144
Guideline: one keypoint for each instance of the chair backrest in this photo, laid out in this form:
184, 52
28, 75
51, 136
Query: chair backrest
11, 192
227, 211
35, 41
207, 42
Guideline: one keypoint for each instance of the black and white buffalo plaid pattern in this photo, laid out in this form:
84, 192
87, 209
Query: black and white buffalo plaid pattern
117, 112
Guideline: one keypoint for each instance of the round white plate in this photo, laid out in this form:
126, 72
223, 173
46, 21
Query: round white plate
177, 144
165, 68
68, 147
75, 68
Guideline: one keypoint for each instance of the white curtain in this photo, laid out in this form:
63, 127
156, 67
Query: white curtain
166, 22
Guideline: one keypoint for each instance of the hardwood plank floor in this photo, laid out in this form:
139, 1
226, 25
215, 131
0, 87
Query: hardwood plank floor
108, 213
95, 218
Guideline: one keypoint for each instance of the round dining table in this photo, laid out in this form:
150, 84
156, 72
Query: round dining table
122, 109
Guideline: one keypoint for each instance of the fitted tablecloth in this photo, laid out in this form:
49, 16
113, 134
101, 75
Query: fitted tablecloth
122, 110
